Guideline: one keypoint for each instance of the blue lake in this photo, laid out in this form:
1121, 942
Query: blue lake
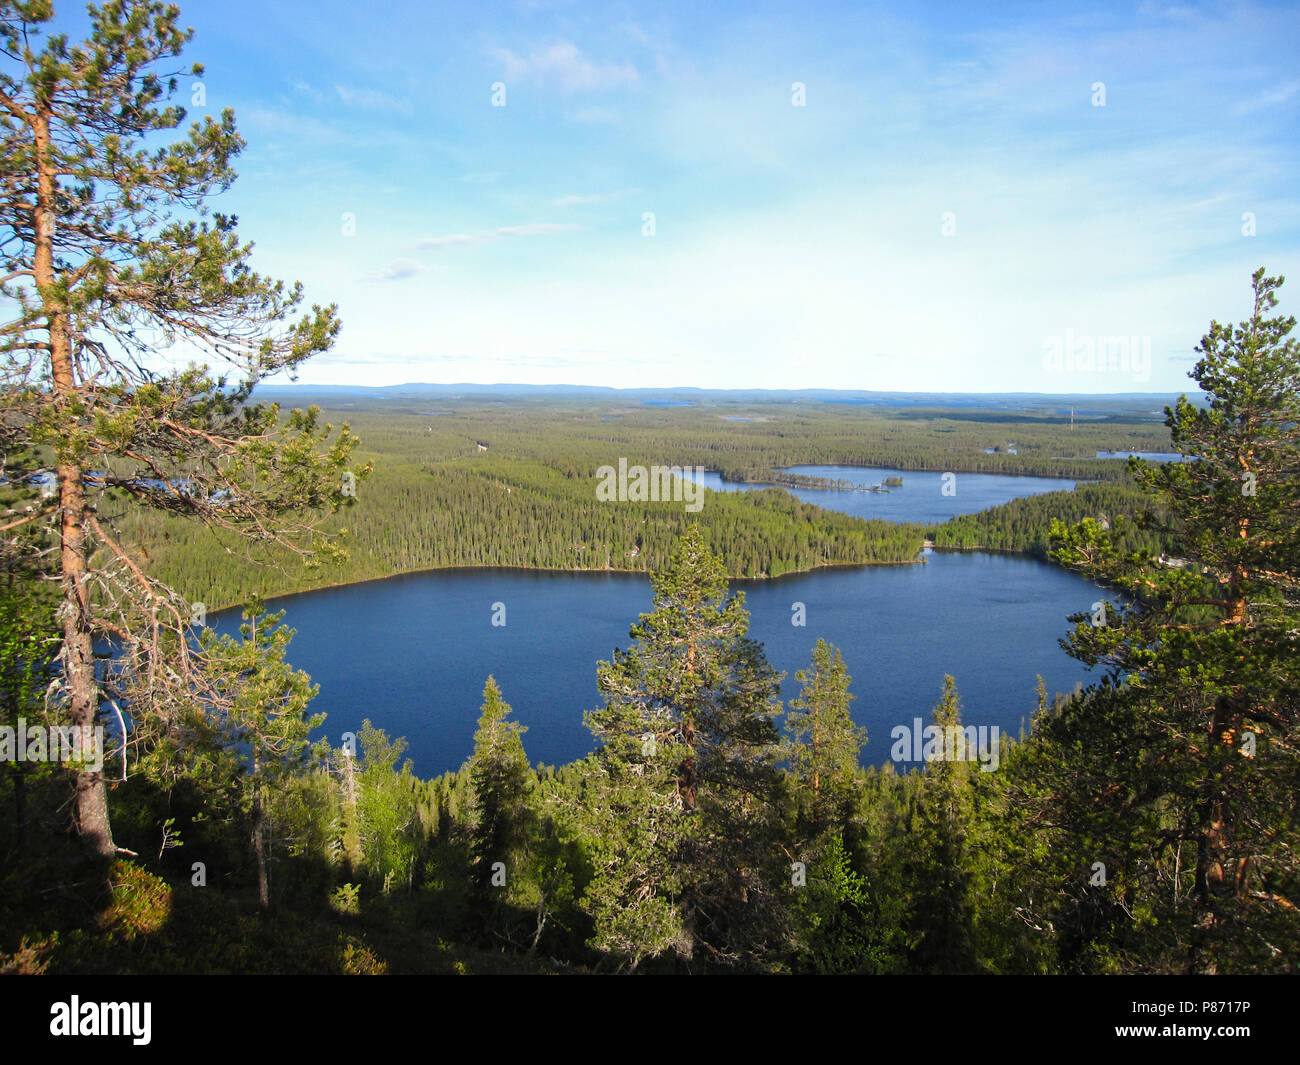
922, 497
411, 653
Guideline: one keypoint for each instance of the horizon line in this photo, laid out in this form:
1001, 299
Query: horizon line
699, 389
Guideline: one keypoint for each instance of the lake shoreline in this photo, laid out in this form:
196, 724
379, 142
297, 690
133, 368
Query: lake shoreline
643, 573
917, 559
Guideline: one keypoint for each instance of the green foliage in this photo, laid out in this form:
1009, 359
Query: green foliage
28, 642
260, 708
840, 924
346, 898
683, 786
260, 700
501, 817
1179, 773
939, 876
387, 810
1024, 524
825, 745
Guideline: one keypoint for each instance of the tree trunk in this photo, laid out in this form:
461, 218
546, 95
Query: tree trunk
90, 806
687, 781
1212, 854
259, 850
352, 853
20, 806
90, 809
817, 765
541, 924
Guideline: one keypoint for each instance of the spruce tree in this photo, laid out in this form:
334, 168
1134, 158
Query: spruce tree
938, 869
501, 817
111, 263
826, 745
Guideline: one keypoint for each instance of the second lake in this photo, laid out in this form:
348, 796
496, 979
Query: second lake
925, 496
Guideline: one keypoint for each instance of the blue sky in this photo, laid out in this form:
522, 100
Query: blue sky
793, 246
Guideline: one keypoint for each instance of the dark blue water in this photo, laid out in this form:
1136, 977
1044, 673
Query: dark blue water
411, 653
922, 498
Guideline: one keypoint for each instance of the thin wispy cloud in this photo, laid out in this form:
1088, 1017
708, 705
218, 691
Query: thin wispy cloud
303, 88
1271, 97
1169, 11
563, 64
536, 229
372, 99
577, 199
350, 96
452, 240
468, 240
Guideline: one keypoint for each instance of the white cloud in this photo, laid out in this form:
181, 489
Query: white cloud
371, 98
466, 240
351, 96
1170, 11
1271, 98
574, 200
563, 64
536, 229
451, 240
302, 88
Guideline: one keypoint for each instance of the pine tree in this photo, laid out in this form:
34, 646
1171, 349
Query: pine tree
263, 717
682, 789
111, 258
1200, 709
